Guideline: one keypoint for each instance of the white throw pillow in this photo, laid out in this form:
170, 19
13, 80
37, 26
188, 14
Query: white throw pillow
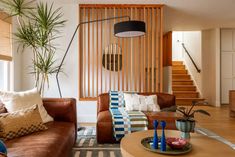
15, 101
131, 102
135, 102
148, 103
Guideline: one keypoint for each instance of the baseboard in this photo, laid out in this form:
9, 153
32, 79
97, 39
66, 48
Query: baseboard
86, 118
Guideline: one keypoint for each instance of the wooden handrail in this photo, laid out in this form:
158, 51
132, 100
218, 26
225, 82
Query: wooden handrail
198, 70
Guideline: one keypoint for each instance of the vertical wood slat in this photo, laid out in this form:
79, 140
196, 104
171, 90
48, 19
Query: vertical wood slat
97, 52
157, 51
93, 53
131, 58
161, 50
114, 40
149, 46
105, 41
140, 53
110, 39
127, 59
123, 56
80, 72
136, 56
145, 43
84, 55
153, 45
88, 51
118, 14
101, 49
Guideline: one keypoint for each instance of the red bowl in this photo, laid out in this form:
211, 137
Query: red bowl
176, 143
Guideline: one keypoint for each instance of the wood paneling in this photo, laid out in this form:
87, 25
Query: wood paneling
140, 58
167, 49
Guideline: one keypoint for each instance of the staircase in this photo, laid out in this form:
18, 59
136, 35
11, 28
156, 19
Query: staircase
182, 85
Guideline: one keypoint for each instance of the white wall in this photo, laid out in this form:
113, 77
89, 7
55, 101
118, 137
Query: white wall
177, 50
192, 42
210, 70
227, 63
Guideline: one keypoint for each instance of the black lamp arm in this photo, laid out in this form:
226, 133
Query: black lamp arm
67, 50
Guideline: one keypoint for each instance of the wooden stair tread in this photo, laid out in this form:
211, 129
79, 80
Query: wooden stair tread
182, 80
179, 71
182, 83
190, 99
177, 63
182, 92
180, 74
183, 86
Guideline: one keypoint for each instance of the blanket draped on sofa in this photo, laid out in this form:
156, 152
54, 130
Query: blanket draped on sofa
125, 122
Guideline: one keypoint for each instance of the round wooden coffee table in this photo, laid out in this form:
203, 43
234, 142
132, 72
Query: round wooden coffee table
202, 146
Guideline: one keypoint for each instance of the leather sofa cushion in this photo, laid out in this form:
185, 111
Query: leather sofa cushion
104, 116
169, 117
56, 141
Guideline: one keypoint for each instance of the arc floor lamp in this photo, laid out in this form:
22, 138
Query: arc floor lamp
123, 29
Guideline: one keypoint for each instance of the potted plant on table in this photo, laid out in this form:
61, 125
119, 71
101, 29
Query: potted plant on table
39, 24
186, 124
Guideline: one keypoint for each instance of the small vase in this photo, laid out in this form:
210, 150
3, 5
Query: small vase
185, 126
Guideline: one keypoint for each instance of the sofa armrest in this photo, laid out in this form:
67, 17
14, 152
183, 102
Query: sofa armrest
61, 109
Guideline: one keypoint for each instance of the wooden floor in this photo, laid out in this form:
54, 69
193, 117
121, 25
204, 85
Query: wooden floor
219, 122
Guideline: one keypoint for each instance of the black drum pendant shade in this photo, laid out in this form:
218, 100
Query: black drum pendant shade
129, 29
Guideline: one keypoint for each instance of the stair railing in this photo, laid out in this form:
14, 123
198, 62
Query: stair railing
198, 70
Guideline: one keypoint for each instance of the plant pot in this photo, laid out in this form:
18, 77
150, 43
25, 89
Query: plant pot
185, 126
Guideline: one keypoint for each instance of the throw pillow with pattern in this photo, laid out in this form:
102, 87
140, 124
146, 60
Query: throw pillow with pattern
20, 123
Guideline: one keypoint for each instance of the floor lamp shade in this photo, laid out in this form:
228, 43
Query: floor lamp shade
129, 29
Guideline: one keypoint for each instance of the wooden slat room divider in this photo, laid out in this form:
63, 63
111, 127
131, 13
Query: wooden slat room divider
111, 63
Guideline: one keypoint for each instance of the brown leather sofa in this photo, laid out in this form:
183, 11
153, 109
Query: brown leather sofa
232, 103
104, 130
57, 141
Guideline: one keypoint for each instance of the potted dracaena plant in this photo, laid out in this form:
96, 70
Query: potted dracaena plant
186, 124
39, 24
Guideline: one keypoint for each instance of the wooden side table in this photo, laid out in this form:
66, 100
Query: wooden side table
232, 103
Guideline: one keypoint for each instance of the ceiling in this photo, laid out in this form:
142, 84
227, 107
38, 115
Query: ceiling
184, 15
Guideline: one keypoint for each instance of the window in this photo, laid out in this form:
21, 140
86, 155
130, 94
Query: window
4, 75
5, 51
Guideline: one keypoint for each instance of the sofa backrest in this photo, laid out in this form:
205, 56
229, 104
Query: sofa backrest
164, 100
